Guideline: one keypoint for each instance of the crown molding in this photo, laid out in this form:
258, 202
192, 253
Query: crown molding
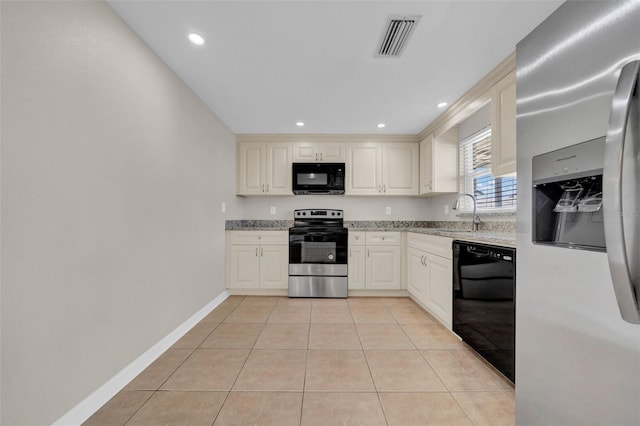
324, 138
474, 99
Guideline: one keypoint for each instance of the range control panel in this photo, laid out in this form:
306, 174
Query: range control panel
318, 214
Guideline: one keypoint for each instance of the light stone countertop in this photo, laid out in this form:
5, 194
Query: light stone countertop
504, 239
499, 233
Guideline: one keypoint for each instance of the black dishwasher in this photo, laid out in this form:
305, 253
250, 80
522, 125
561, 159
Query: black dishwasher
484, 287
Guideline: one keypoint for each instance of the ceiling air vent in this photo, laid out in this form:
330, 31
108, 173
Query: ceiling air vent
396, 35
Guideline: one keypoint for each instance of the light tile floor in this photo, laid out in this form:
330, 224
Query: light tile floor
280, 361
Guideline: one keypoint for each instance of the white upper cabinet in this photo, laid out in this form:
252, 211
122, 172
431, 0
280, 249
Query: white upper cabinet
252, 168
375, 168
363, 168
400, 168
439, 163
503, 126
278, 177
264, 168
312, 152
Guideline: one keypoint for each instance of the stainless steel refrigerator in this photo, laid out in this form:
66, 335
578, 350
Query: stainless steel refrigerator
578, 232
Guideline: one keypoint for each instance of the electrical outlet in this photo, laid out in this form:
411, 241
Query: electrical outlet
224, 207
388, 210
272, 210
446, 209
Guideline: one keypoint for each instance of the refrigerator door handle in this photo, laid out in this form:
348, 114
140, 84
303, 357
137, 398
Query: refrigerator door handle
622, 110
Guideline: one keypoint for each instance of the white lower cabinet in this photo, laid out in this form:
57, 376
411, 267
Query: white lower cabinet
430, 274
258, 259
383, 267
417, 276
440, 285
244, 267
357, 267
375, 260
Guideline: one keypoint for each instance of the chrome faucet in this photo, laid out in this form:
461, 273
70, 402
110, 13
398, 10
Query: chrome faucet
476, 218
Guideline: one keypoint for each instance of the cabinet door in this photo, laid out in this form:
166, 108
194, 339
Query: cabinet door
364, 164
426, 165
400, 168
417, 277
444, 162
305, 152
274, 267
356, 265
383, 267
244, 267
439, 295
251, 169
278, 169
331, 152
503, 127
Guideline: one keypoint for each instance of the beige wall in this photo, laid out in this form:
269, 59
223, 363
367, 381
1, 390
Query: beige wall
355, 208
113, 173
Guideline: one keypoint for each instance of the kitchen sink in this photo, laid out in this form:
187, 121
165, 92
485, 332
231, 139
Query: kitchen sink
450, 230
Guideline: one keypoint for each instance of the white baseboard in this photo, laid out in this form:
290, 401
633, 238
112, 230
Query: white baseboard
85, 409
285, 292
378, 293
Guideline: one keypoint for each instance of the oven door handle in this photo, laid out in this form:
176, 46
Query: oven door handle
319, 234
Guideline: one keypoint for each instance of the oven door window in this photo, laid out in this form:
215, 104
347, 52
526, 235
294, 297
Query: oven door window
318, 252
319, 247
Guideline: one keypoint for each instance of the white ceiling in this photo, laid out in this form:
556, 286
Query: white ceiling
267, 64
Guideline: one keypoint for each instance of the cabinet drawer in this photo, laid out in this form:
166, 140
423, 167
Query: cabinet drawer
383, 238
258, 237
441, 246
356, 238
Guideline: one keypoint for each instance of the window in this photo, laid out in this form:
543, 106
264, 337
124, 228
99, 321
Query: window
492, 193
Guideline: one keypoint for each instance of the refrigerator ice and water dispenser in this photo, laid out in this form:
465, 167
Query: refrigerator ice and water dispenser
567, 197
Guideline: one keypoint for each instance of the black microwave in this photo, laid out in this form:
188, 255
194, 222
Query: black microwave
318, 178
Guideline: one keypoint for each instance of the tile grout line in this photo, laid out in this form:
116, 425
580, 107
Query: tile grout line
309, 323
193, 350
155, 391
375, 386
306, 364
241, 368
138, 409
462, 408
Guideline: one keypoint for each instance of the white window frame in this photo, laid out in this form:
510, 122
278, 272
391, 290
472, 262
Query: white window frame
467, 175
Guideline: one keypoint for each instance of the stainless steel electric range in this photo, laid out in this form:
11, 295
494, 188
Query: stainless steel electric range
318, 254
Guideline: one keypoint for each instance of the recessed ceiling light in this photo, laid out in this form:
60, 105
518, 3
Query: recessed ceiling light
299, 124
442, 104
381, 125
196, 39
